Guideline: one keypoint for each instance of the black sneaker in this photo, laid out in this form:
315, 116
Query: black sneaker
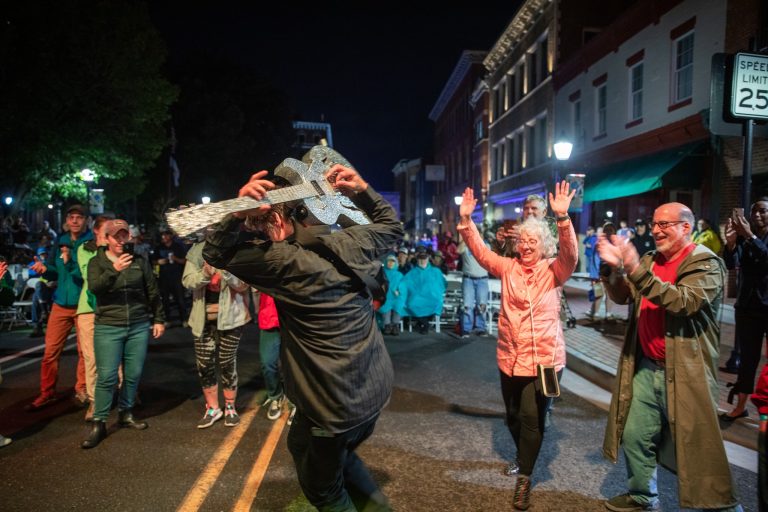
522, 499
231, 418
625, 503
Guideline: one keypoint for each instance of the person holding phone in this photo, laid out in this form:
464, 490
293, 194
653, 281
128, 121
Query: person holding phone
128, 307
746, 248
531, 348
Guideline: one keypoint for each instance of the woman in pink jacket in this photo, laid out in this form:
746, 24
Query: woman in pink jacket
530, 332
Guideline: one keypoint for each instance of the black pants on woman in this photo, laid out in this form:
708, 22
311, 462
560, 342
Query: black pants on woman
526, 412
751, 329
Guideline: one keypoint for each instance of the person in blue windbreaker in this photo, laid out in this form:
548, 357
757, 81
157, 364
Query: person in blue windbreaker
423, 290
392, 308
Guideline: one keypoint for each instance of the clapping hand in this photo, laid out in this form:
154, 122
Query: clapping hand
3, 268
617, 252
38, 266
561, 201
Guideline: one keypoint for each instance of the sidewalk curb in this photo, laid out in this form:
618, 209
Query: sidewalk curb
742, 432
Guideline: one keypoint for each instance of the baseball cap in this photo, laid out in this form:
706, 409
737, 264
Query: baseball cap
115, 226
42, 250
391, 257
77, 208
639, 222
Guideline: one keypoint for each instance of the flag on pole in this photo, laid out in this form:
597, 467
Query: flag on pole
172, 162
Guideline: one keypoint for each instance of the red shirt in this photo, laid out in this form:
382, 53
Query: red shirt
651, 322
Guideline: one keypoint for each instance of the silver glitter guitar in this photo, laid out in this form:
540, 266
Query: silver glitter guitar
310, 183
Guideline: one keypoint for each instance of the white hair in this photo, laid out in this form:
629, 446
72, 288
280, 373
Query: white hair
540, 229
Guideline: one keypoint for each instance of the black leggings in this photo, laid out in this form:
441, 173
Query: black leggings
751, 329
526, 411
206, 348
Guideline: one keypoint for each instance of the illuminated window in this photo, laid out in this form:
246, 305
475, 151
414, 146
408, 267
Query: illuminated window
601, 111
636, 92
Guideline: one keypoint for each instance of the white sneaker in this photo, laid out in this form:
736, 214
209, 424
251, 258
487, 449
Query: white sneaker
275, 408
291, 414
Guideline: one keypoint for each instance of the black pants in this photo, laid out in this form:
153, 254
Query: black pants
332, 476
751, 329
526, 410
172, 286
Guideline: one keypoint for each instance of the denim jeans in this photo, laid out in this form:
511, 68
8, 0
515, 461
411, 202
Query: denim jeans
269, 352
646, 420
475, 298
332, 476
112, 346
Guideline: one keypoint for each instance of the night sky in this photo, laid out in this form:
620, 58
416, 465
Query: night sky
373, 73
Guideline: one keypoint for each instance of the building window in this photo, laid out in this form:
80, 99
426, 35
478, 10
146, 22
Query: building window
601, 101
636, 92
521, 87
543, 54
683, 68
530, 143
576, 116
504, 105
518, 148
479, 130
511, 90
542, 148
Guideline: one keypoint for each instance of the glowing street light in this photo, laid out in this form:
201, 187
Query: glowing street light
458, 200
205, 199
87, 175
50, 206
563, 147
609, 214
429, 211
8, 200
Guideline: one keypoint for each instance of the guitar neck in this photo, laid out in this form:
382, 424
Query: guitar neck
281, 195
186, 221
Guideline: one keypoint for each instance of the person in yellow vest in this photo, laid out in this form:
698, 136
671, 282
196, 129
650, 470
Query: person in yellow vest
708, 237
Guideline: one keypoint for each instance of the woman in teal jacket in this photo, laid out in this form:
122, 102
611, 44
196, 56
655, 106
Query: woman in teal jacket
391, 310
127, 304
423, 290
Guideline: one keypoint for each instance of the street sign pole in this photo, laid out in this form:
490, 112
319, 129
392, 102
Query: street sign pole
746, 165
749, 101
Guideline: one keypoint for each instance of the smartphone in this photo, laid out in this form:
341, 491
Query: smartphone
550, 387
509, 224
737, 212
128, 248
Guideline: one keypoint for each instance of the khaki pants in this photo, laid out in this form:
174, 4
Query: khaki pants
85, 335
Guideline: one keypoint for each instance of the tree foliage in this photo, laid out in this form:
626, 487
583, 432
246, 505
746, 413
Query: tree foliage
80, 86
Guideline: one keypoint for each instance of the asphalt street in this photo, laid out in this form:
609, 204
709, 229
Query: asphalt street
440, 445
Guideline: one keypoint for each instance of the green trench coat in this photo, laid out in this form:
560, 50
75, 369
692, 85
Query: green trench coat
693, 445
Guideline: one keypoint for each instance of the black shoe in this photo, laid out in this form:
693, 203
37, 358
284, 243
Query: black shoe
97, 435
522, 499
127, 420
730, 419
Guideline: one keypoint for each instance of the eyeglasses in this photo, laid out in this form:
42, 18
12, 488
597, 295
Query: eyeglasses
530, 243
664, 224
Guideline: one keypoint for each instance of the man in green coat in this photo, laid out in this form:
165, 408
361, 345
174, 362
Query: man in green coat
664, 405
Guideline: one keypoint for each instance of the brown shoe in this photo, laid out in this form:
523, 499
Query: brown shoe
522, 497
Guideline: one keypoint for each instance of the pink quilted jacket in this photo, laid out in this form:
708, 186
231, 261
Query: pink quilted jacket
530, 302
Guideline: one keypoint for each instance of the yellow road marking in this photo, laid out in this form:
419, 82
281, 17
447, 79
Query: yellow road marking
259, 469
202, 486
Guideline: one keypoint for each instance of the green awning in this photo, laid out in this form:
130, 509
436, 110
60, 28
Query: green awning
632, 177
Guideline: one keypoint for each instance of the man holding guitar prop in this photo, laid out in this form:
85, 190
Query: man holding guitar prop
337, 370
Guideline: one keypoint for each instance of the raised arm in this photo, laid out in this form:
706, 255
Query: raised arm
487, 259
568, 256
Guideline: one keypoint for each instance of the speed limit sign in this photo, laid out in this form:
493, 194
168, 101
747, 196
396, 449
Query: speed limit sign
749, 94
